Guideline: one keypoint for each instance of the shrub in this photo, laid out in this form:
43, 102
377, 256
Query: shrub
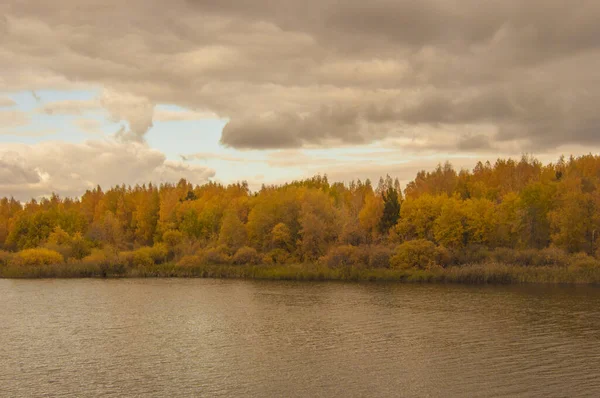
443, 257
340, 257
108, 261
141, 258
80, 248
5, 257
216, 255
582, 260
189, 261
172, 238
246, 255
504, 255
551, 256
137, 258
95, 257
64, 250
277, 256
418, 253
472, 254
38, 256
158, 253
362, 255
146, 256
379, 257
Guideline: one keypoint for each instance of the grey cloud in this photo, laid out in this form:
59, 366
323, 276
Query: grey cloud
476, 142
14, 170
135, 110
528, 70
462, 107
287, 130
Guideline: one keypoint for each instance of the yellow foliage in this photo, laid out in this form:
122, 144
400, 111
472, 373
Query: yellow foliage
371, 213
449, 228
245, 256
418, 253
5, 257
38, 256
189, 261
172, 238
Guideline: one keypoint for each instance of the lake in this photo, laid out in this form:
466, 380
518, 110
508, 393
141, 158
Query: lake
200, 337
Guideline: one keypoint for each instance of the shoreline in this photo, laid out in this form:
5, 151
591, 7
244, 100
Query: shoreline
475, 274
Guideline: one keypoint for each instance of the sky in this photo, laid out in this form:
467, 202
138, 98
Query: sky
110, 92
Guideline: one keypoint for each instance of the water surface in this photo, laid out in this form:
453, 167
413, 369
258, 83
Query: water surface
196, 337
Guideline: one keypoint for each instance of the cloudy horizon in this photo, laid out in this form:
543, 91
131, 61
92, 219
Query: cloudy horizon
107, 92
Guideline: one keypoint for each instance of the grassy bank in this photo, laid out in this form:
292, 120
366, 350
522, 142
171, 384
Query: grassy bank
490, 273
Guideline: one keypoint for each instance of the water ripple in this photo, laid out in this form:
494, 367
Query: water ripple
180, 338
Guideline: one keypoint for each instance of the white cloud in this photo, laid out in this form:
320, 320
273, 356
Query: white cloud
29, 132
6, 102
88, 125
167, 115
13, 118
70, 107
69, 169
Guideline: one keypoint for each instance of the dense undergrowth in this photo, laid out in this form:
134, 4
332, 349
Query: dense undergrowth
535, 268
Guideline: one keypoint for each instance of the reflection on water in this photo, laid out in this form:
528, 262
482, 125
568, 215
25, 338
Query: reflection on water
247, 338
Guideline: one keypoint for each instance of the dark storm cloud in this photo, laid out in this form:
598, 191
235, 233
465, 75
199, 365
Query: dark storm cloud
529, 71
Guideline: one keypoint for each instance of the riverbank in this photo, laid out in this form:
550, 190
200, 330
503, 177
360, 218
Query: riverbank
491, 273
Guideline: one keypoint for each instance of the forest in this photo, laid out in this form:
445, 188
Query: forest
513, 220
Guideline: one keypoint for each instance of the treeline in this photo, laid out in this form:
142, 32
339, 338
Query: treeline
518, 212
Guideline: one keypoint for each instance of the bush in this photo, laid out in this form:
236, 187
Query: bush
38, 256
141, 258
246, 255
504, 255
145, 256
216, 255
418, 253
472, 254
172, 238
108, 261
137, 258
189, 261
362, 255
379, 257
64, 250
96, 257
277, 256
158, 253
582, 260
80, 248
5, 257
340, 257
551, 256
443, 257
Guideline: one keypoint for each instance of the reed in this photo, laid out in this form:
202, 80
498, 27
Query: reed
487, 273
